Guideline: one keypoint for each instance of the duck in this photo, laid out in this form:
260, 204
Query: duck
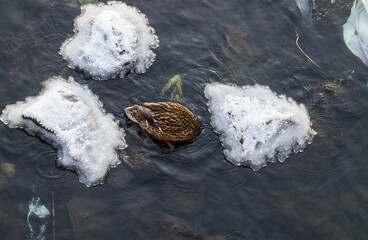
169, 122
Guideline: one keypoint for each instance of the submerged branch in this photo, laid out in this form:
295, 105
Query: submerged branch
53, 215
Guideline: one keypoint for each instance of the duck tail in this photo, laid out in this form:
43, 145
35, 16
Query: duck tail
137, 101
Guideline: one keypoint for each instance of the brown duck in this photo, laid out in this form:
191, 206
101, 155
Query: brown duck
166, 121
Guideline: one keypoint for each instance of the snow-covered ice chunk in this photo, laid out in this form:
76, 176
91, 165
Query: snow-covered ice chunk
71, 118
256, 125
110, 40
305, 9
356, 30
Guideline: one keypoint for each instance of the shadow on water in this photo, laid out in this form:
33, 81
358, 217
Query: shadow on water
192, 192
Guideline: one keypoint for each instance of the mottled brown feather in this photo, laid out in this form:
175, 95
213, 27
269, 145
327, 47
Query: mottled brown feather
173, 121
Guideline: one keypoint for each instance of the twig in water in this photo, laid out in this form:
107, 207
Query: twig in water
297, 44
53, 215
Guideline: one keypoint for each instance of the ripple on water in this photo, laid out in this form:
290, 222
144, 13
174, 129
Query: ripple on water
37, 164
184, 197
161, 226
305, 207
45, 170
341, 93
120, 177
27, 58
237, 235
60, 20
36, 45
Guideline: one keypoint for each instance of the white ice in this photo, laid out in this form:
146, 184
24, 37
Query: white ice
305, 9
71, 118
256, 125
356, 30
110, 40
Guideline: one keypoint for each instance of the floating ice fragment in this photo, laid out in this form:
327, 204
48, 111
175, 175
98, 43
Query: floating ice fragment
110, 40
356, 30
71, 118
256, 125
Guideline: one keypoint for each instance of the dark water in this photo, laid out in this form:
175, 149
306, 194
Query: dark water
192, 192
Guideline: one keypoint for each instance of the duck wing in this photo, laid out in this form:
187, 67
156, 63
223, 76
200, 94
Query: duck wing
173, 118
146, 113
166, 121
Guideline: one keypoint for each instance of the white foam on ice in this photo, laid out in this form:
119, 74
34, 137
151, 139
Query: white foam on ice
256, 125
110, 40
356, 30
71, 118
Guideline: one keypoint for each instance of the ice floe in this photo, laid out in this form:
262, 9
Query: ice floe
305, 8
256, 125
71, 118
356, 30
110, 40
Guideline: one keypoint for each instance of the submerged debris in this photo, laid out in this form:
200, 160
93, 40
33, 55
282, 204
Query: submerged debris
240, 48
176, 84
71, 118
110, 40
184, 196
340, 94
3, 181
13, 223
91, 218
80, 211
161, 226
37, 211
218, 237
8, 169
134, 158
256, 125
332, 11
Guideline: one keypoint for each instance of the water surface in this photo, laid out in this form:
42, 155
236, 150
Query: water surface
192, 192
